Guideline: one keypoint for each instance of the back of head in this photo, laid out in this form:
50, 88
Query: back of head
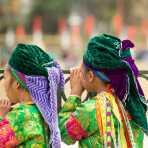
29, 59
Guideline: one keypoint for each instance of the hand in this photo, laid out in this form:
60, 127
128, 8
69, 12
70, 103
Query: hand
5, 106
75, 83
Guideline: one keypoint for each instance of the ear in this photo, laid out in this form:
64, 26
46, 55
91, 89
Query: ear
90, 76
17, 85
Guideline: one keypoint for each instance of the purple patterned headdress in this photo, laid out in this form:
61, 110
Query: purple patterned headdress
118, 76
44, 94
126, 55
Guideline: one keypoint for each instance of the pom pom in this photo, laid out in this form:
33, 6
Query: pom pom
126, 44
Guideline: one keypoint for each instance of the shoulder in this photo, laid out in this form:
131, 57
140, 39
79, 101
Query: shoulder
86, 111
25, 108
22, 111
105, 94
88, 105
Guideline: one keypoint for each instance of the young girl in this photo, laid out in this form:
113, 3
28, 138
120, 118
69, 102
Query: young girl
103, 121
31, 80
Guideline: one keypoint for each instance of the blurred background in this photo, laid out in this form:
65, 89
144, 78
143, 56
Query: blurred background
63, 27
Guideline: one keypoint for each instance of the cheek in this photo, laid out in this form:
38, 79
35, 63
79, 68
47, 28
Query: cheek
83, 81
6, 84
8, 88
7, 80
81, 78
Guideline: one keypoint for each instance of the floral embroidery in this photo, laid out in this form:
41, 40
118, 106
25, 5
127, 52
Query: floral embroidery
7, 136
74, 128
23, 127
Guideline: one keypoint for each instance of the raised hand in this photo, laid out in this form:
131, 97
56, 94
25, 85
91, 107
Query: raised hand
5, 106
75, 82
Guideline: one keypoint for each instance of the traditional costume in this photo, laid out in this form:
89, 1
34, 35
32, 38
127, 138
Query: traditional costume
33, 124
113, 118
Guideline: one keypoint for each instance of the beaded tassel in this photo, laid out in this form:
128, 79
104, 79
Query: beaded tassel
108, 124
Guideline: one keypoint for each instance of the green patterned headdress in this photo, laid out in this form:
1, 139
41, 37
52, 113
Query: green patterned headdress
103, 51
29, 59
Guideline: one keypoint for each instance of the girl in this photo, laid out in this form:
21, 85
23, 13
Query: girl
31, 81
114, 115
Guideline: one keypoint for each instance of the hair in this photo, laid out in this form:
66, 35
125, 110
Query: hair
87, 69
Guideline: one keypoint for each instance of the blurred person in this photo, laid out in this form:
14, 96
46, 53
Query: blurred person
115, 116
69, 58
31, 80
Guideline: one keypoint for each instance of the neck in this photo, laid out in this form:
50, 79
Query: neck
105, 87
24, 97
101, 88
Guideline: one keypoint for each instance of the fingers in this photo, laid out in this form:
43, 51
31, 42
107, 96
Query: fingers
5, 106
75, 68
5, 103
71, 74
75, 83
75, 71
